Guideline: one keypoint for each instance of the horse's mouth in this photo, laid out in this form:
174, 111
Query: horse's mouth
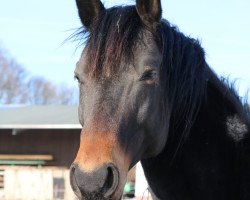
97, 196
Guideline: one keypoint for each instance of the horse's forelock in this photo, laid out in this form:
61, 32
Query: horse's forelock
112, 40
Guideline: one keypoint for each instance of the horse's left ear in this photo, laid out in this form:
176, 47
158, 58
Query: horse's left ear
89, 10
150, 11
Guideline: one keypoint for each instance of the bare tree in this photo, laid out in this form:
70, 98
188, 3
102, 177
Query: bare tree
18, 87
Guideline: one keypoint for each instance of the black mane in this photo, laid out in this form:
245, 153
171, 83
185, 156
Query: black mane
185, 76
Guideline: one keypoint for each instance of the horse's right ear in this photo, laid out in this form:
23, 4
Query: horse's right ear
89, 10
150, 11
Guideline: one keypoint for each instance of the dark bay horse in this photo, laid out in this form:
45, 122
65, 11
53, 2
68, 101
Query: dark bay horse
147, 94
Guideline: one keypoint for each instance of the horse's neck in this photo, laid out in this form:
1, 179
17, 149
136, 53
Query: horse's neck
181, 165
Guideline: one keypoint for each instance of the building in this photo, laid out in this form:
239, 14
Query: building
37, 146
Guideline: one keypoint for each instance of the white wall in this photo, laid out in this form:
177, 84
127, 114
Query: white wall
31, 183
141, 185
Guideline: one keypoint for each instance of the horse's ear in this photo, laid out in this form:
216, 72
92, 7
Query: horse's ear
89, 10
150, 11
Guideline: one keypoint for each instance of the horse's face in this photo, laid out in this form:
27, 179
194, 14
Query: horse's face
122, 118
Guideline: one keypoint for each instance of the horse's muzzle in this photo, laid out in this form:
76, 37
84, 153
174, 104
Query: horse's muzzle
100, 183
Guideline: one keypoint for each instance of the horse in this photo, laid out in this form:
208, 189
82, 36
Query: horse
147, 94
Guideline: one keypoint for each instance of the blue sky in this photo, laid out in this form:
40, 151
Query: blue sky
33, 31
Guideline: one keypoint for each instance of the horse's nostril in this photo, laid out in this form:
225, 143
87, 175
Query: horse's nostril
111, 180
73, 181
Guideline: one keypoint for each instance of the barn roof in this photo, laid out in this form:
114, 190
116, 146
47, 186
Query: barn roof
39, 117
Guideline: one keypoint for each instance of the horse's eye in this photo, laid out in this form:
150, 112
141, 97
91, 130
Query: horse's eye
80, 82
149, 75
77, 78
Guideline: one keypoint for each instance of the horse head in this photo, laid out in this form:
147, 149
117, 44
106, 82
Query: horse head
121, 95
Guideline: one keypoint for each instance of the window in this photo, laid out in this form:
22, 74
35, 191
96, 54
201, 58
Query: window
58, 188
1, 184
